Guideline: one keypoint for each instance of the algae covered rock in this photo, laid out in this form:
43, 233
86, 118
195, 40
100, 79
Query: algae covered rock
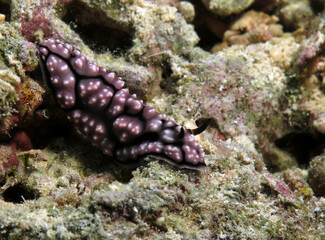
55, 185
296, 15
316, 175
225, 8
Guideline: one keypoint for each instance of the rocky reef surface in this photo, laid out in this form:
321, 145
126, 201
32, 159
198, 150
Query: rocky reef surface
255, 68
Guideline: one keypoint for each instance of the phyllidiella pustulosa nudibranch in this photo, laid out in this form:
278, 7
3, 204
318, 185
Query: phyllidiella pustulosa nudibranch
104, 111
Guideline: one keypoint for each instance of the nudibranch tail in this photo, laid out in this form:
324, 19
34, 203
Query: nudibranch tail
201, 126
114, 120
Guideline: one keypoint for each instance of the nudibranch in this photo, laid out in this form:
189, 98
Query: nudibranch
103, 110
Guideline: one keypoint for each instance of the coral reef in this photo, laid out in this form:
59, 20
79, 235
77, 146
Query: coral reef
264, 148
251, 27
225, 8
295, 15
20, 95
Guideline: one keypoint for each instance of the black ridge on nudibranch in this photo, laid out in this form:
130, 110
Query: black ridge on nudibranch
109, 116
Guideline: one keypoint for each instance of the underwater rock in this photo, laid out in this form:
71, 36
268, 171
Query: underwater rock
70, 190
316, 175
225, 8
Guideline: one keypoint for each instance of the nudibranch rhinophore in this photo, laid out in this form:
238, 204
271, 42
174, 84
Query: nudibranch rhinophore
104, 111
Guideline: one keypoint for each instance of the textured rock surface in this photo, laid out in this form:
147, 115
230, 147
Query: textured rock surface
265, 101
296, 15
317, 175
251, 27
225, 8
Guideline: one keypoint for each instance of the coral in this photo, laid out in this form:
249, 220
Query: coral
295, 15
20, 54
237, 94
37, 22
187, 9
18, 101
310, 64
316, 175
225, 8
2, 18
251, 27
122, 126
157, 200
296, 180
8, 98
20, 95
9, 166
265, 101
279, 186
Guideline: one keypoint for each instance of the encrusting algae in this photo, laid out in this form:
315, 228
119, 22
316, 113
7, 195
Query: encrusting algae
264, 99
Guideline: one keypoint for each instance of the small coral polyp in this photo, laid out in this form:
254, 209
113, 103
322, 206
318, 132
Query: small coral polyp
114, 120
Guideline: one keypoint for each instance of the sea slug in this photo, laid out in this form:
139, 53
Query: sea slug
104, 111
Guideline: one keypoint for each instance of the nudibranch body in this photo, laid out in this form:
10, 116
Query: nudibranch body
104, 111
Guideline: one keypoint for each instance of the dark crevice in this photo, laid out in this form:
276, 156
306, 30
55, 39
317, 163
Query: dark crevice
207, 38
167, 70
100, 33
266, 189
168, 82
317, 6
5, 9
208, 27
36, 75
3, 182
302, 146
267, 6
42, 135
18, 193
